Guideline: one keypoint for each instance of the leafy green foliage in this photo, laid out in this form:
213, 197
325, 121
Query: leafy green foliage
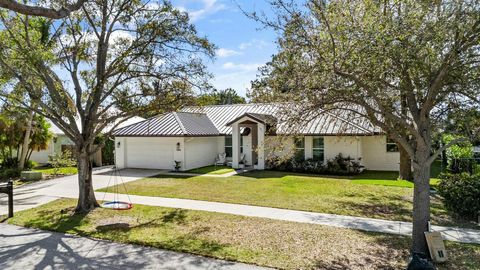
108, 155
459, 150
9, 173
339, 165
461, 193
222, 97
60, 160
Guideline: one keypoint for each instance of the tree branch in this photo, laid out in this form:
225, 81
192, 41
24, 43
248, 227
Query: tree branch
42, 11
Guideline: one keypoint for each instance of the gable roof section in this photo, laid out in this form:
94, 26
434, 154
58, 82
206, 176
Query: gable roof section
215, 120
259, 117
335, 122
174, 124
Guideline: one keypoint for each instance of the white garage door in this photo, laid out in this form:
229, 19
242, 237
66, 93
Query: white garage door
150, 153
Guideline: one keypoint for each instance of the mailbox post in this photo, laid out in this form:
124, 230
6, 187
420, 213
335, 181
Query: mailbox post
7, 188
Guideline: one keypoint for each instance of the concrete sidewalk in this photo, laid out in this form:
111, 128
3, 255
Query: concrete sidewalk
36, 194
350, 222
23, 248
43, 192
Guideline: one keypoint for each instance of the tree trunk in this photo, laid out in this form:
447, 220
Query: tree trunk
405, 172
86, 198
26, 142
421, 201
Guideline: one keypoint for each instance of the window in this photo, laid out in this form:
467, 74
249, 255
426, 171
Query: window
300, 148
228, 146
241, 144
391, 146
318, 148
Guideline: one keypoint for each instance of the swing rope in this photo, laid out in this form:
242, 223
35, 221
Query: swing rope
116, 204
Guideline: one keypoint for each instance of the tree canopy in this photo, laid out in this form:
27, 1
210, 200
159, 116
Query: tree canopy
221, 97
400, 64
102, 65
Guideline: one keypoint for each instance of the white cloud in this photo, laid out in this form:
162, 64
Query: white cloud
208, 7
223, 52
241, 67
256, 43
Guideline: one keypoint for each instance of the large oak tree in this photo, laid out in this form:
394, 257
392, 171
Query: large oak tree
400, 64
111, 60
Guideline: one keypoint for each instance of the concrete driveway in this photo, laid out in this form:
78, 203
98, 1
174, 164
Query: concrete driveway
35, 194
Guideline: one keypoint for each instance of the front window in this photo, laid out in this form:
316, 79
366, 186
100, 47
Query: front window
391, 146
228, 146
300, 148
318, 149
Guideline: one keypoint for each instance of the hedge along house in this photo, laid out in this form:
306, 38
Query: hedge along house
195, 136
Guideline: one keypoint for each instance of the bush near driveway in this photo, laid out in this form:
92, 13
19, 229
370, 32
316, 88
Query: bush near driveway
272, 243
461, 194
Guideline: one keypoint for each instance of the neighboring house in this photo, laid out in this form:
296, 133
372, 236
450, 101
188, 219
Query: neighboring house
60, 142
195, 136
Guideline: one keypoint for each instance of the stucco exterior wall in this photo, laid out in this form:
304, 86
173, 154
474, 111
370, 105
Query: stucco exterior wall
160, 153
61, 140
53, 147
375, 155
42, 156
347, 145
200, 152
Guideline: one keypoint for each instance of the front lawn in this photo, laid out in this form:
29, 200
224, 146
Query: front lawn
295, 191
385, 178
279, 244
212, 170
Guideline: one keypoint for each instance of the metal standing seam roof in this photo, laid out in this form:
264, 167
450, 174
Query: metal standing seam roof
213, 121
173, 124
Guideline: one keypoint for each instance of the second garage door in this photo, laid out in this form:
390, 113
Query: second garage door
150, 153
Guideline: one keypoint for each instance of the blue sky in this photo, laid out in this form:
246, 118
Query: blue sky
242, 46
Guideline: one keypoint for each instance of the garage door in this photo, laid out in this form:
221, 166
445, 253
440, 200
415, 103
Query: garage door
150, 153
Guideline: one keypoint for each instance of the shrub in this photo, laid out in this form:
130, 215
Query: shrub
338, 165
9, 173
31, 164
461, 193
63, 159
9, 162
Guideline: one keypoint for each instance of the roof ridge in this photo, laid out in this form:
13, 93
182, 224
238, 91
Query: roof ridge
182, 127
238, 104
192, 113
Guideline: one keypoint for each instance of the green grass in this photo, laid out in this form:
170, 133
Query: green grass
212, 170
385, 178
272, 243
61, 171
296, 191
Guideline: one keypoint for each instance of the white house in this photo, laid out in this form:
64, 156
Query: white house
60, 142
194, 136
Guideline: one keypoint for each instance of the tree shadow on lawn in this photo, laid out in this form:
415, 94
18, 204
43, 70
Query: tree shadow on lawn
125, 228
382, 251
390, 207
177, 241
461, 256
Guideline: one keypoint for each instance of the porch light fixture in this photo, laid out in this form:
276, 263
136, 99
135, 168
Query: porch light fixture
178, 146
118, 144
